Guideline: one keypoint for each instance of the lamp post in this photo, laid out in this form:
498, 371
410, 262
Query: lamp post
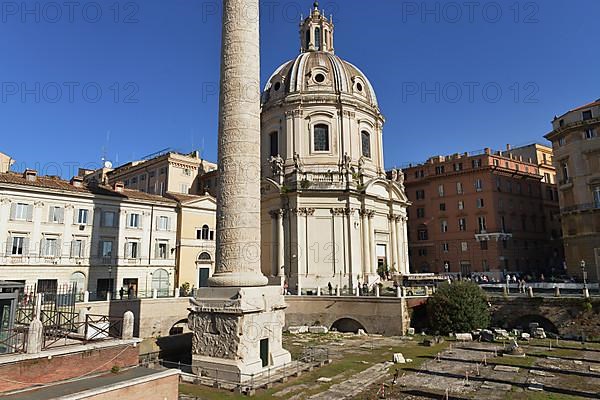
447, 269
584, 273
110, 282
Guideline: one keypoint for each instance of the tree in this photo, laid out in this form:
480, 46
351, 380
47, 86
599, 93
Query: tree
458, 307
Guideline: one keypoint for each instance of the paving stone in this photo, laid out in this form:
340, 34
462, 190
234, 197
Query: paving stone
540, 373
505, 368
505, 387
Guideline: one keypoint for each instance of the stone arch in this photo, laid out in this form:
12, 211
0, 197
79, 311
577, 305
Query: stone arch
178, 327
523, 322
348, 324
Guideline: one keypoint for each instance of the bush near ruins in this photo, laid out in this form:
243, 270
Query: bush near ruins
458, 307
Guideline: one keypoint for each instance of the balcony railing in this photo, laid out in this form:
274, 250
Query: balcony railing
581, 207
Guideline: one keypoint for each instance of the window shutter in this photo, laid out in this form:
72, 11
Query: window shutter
58, 251
90, 217
127, 250
26, 246
43, 247
30, 212
101, 219
9, 242
75, 215
13, 211
73, 248
140, 219
50, 213
169, 224
84, 252
157, 223
61, 215
156, 250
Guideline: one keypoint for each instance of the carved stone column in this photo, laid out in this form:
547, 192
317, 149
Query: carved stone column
372, 244
393, 244
280, 243
366, 244
238, 199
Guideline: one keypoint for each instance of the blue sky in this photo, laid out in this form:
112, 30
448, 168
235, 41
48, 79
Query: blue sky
133, 77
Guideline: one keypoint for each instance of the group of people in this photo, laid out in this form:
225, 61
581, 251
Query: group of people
130, 292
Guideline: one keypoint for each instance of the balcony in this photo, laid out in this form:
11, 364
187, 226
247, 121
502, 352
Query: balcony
565, 184
581, 207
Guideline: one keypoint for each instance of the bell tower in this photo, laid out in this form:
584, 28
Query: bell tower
316, 31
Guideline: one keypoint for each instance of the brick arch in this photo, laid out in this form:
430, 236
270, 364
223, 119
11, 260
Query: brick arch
348, 324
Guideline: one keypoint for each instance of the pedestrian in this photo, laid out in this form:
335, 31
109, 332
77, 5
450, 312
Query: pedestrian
365, 289
330, 287
121, 293
286, 288
130, 292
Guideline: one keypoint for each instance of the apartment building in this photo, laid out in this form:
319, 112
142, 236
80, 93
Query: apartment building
485, 212
576, 143
100, 237
159, 173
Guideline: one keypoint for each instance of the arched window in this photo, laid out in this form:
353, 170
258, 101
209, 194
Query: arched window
307, 39
366, 144
274, 143
205, 232
204, 257
160, 282
321, 138
318, 38
78, 278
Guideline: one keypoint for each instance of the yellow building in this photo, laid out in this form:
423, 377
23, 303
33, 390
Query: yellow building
196, 224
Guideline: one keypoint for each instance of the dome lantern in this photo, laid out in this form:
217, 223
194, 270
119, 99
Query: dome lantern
316, 32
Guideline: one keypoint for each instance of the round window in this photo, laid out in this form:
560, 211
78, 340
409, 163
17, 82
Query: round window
277, 86
359, 87
320, 78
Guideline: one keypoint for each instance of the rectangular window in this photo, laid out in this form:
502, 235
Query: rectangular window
458, 167
186, 172
185, 188
590, 134
461, 205
476, 163
459, 188
163, 171
321, 138
151, 174
483, 245
420, 194
274, 144
479, 203
496, 162
442, 206
161, 251
441, 190
423, 252
444, 226
597, 196
55, 215
106, 247
50, 247
77, 248
420, 213
503, 223
586, 115
439, 170
133, 221
462, 224
82, 216
133, 250
134, 180
565, 172
22, 212
18, 246
464, 246
478, 185
108, 219
142, 178
162, 223
482, 224
445, 247
423, 234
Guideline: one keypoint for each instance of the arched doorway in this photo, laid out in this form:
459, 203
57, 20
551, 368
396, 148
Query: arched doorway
161, 282
203, 265
78, 279
347, 325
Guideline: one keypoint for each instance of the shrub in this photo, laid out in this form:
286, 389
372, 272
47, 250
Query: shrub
458, 307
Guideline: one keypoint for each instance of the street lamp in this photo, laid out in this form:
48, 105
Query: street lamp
584, 273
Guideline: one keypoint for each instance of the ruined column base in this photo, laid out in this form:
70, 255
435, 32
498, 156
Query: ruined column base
237, 332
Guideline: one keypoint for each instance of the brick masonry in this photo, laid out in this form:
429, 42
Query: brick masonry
27, 373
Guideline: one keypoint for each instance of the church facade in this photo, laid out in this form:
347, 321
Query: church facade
329, 214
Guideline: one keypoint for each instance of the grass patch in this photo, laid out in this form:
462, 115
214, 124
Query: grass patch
523, 362
529, 395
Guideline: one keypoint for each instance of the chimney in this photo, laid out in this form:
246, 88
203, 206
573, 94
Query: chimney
30, 175
119, 186
77, 181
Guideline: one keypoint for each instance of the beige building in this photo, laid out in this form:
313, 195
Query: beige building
163, 172
5, 163
196, 224
329, 214
576, 143
101, 237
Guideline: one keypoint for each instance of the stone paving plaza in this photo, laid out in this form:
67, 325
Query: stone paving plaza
362, 365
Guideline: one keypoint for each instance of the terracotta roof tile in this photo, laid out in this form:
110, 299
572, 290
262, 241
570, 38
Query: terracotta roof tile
55, 183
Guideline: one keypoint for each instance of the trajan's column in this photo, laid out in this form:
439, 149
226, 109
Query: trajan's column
237, 322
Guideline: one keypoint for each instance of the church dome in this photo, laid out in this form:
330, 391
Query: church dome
318, 72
